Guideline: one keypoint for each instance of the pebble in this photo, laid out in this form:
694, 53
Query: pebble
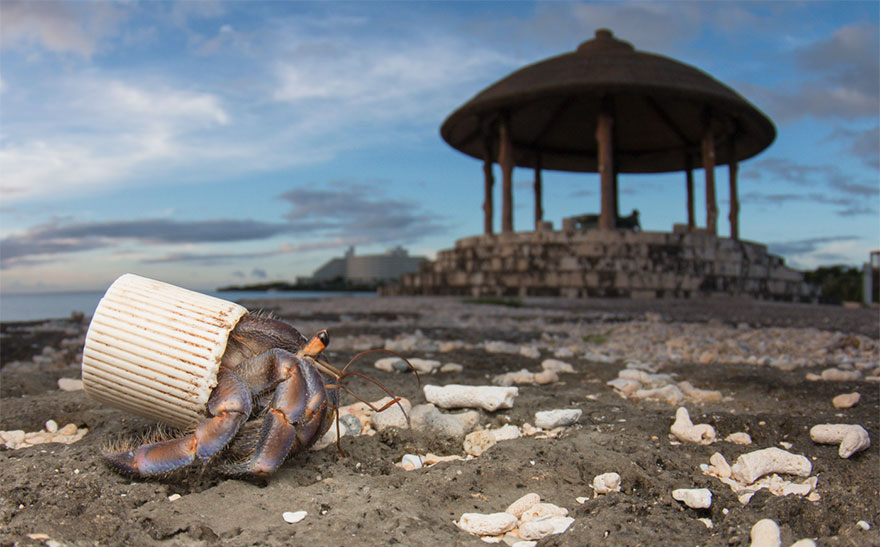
605, 483
427, 419
684, 430
695, 498
392, 416
739, 437
837, 375
51, 426
411, 461
17, 439
451, 367
852, 438
292, 517
550, 419
477, 442
350, 425
864, 525
557, 366
541, 511
765, 533
70, 384
846, 400
523, 504
493, 524
671, 394
538, 529
174, 497
489, 398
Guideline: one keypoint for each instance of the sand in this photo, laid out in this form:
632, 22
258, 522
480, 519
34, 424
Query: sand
64, 493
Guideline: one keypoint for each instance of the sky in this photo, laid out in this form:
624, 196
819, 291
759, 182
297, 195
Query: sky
213, 143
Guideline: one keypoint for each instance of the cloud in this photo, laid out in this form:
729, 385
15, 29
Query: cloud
48, 241
344, 215
58, 27
825, 184
812, 252
842, 78
864, 144
352, 214
102, 132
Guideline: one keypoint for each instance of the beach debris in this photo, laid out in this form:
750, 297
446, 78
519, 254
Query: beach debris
525, 519
70, 384
550, 371
606, 483
758, 470
852, 438
451, 368
411, 461
428, 419
393, 416
835, 375
477, 442
292, 517
490, 398
491, 524
635, 383
174, 497
740, 437
17, 439
684, 430
695, 498
551, 419
765, 533
846, 400
396, 364
754, 465
864, 525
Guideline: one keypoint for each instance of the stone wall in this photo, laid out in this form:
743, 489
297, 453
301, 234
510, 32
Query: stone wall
581, 264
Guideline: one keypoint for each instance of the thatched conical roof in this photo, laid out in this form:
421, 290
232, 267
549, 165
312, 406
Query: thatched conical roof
659, 107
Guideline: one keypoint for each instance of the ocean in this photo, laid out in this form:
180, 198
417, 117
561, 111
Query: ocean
31, 307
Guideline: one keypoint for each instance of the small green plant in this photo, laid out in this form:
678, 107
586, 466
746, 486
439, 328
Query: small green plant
494, 301
597, 338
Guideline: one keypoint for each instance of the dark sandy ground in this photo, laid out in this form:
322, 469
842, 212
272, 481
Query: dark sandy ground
66, 493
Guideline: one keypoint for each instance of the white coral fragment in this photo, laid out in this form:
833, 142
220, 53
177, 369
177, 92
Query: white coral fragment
750, 467
765, 533
489, 398
852, 438
605, 483
695, 498
684, 430
493, 524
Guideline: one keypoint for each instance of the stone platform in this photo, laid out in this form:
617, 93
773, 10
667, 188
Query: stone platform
593, 263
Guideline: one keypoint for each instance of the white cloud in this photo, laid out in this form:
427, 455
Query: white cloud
59, 27
110, 128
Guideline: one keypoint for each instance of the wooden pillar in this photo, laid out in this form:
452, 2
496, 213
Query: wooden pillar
505, 159
488, 184
689, 173
539, 201
605, 157
709, 167
734, 198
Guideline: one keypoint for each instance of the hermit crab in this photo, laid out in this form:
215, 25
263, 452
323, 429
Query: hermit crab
274, 395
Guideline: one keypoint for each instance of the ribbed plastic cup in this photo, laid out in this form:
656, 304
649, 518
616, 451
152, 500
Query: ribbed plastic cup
154, 349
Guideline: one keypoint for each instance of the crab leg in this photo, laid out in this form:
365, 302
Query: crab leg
229, 406
295, 419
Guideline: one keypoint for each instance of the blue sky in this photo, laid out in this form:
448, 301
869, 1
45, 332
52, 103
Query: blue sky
211, 143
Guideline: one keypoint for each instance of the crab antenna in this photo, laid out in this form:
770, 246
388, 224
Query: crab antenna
345, 372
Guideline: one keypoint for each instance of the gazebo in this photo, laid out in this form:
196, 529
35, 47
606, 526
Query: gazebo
609, 108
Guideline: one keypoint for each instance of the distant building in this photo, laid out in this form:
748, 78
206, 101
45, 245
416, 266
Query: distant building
367, 269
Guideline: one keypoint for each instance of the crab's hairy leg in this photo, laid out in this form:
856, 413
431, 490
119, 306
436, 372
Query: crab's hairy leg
300, 412
229, 406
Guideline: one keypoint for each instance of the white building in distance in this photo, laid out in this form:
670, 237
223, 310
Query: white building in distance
367, 269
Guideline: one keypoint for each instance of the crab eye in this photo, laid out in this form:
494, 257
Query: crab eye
324, 337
